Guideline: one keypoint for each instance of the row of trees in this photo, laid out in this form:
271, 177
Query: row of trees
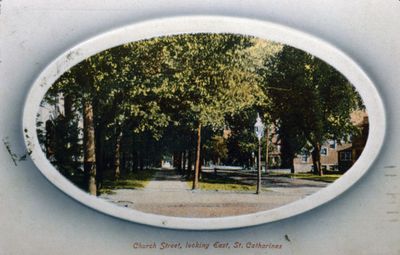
127, 107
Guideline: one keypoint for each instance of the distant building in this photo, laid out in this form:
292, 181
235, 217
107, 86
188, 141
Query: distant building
347, 157
338, 156
329, 157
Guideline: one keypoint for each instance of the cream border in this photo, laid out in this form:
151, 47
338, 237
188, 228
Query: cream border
214, 24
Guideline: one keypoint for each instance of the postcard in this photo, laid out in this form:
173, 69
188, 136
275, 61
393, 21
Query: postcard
140, 129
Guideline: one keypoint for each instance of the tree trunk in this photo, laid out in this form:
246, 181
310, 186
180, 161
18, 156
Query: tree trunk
135, 162
68, 106
100, 157
202, 161
89, 148
117, 156
179, 161
198, 159
184, 161
141, 162
189, 167
316, 157
292, 166
50, 139
124, 163
70, 138
287, 155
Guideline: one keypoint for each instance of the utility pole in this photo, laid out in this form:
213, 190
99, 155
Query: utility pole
259, 130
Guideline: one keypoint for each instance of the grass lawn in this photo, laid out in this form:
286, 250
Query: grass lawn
134, 180
226, 187
223, 184
313, 177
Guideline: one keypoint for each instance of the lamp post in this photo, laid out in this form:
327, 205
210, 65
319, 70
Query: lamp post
259, 130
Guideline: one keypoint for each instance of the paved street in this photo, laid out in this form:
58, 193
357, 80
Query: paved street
168, 194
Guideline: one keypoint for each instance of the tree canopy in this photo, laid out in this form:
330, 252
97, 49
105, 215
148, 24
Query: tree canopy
131, 106
311, 103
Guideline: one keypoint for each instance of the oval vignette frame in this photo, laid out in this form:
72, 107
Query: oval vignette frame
208, 24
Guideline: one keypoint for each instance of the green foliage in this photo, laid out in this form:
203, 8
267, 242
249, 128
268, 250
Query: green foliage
219, 183
150, 96
227, 186
216, 149
242, 141
310, 103
312, 177
135, 180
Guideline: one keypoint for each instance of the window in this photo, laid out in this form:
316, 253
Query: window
332, 144
304, 158
345, 155
324, 151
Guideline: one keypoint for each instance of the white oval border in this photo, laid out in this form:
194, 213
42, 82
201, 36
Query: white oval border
211, 24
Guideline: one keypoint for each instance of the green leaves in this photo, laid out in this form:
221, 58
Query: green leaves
167, 86
310, 101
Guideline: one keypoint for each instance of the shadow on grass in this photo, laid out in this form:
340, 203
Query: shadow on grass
239, 181
136, 180
211, 181
312, 177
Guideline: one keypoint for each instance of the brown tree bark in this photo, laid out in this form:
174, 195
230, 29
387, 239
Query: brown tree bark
316, 157
89, 147
140, 161
117, 156
68, 109
189, 167
100, 155
89, 150
198, 159
50, 139
179, 161
287, 155
184, 161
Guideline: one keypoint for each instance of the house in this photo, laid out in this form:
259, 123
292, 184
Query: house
329, 157
347, 157
338, 156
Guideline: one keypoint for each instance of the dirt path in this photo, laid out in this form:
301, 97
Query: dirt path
166, 181
168, 194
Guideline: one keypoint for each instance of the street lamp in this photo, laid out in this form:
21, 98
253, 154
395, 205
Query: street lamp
259, 130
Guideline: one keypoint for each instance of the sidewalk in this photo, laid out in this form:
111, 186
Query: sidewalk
166, 181
168, 195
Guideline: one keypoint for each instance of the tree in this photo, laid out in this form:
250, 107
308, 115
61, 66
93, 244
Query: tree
85, 78
208, 69
311, 103
139, 88
128, 106
61, 134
